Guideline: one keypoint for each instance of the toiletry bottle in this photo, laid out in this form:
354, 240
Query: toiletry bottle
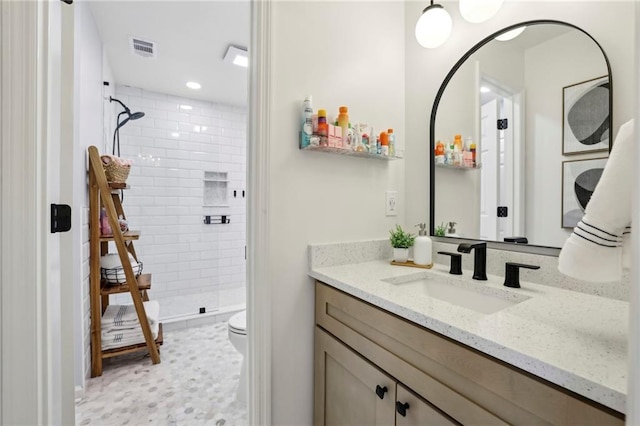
447, 155
457, 141
105, 228
472, 148
307, 122
422, 247
343, 121
384, 143
457, 156
323, 127
392, 142
439, 153
378, 146
373, 147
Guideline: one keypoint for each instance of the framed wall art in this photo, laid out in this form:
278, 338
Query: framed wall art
579, 179
586, 116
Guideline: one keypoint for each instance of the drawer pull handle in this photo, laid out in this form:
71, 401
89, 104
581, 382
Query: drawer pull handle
402, 408
381, 391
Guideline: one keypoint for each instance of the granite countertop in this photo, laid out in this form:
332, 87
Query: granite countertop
575, 340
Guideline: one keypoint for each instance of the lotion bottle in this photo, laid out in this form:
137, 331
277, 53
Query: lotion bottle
422, 248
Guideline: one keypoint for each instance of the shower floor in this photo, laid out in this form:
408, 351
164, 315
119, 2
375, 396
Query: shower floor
194, 384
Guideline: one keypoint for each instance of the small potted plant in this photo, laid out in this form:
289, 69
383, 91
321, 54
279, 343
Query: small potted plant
401, 241
440, 230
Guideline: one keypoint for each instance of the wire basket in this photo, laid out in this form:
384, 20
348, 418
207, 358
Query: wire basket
116, 276
115, 172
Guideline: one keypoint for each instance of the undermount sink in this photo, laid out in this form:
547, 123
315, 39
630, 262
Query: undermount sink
461, 294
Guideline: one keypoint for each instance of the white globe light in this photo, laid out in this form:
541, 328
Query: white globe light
476, 11
510, 35
434, 27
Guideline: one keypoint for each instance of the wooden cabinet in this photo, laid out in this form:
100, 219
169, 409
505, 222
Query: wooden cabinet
417, 411
103, 194
347, 392
446, 382
351, 391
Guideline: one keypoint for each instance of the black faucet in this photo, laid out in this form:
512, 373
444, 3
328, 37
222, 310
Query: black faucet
479, 260
512, 273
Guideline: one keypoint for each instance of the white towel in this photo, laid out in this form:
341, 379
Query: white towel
120, 339
125, 316
594, 251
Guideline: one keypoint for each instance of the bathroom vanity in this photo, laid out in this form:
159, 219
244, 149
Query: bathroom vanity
393, 347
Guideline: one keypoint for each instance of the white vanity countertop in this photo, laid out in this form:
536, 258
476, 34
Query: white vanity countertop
575, 340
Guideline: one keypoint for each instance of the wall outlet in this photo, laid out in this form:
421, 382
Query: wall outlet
391, 205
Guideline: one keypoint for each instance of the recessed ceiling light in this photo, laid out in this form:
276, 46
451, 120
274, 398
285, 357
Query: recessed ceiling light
175, 134
237, 56
186, 107
510, 35
193, 85
484, 89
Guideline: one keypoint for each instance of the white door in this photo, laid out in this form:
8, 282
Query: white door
33, 342
489, 151
506, 167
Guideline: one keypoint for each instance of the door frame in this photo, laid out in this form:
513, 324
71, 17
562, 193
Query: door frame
30, 338
258, 172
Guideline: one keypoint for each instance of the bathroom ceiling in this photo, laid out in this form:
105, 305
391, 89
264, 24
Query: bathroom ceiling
191, 40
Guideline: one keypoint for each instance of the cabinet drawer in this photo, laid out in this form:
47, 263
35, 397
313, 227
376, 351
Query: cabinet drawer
470, 386
419, 412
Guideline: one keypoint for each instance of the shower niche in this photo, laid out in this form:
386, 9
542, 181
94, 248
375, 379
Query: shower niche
215, 185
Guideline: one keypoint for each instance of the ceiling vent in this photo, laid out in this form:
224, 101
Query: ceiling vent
144, 48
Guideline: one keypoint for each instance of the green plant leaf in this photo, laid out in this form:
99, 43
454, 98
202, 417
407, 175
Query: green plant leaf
400, 238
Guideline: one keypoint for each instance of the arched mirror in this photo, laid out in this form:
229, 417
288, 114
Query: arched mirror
535, 113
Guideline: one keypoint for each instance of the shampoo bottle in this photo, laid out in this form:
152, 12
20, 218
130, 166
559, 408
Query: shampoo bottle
307, 122
392, 143
343, 122
422, 247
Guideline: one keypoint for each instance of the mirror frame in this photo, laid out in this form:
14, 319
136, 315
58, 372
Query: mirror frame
537, 249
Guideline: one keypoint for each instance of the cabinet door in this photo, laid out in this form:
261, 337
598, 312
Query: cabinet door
415, 411
349, 390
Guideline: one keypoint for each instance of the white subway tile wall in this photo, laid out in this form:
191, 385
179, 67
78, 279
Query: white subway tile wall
172, 148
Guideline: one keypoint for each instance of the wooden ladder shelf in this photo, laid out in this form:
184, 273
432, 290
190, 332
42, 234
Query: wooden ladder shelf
102, 195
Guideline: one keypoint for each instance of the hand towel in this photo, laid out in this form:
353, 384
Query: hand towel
125, 316
593, 252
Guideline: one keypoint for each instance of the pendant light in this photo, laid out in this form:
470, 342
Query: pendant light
510, 35
434, 26
476, 11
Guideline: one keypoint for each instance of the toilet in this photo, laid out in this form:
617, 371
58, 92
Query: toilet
237, 328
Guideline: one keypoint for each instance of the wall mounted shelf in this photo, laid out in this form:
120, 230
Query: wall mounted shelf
448, 166
347, 152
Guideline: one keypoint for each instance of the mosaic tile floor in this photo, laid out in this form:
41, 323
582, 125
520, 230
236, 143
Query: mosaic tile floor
194, 384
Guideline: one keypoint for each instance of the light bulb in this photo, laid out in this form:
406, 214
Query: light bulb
433, 27
476, 11
510, 35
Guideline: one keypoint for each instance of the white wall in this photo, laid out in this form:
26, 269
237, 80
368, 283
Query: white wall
611, 23
550, 66
90, 71
171, 149
341, 53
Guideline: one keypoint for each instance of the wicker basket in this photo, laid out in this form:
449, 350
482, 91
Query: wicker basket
116, 276
115, 172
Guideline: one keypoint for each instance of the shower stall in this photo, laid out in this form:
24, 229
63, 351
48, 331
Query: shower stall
188, 198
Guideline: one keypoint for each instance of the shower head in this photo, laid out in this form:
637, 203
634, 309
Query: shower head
130, 115
119, 124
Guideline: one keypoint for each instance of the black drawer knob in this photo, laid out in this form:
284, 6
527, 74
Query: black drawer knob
381, 391
402, 408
